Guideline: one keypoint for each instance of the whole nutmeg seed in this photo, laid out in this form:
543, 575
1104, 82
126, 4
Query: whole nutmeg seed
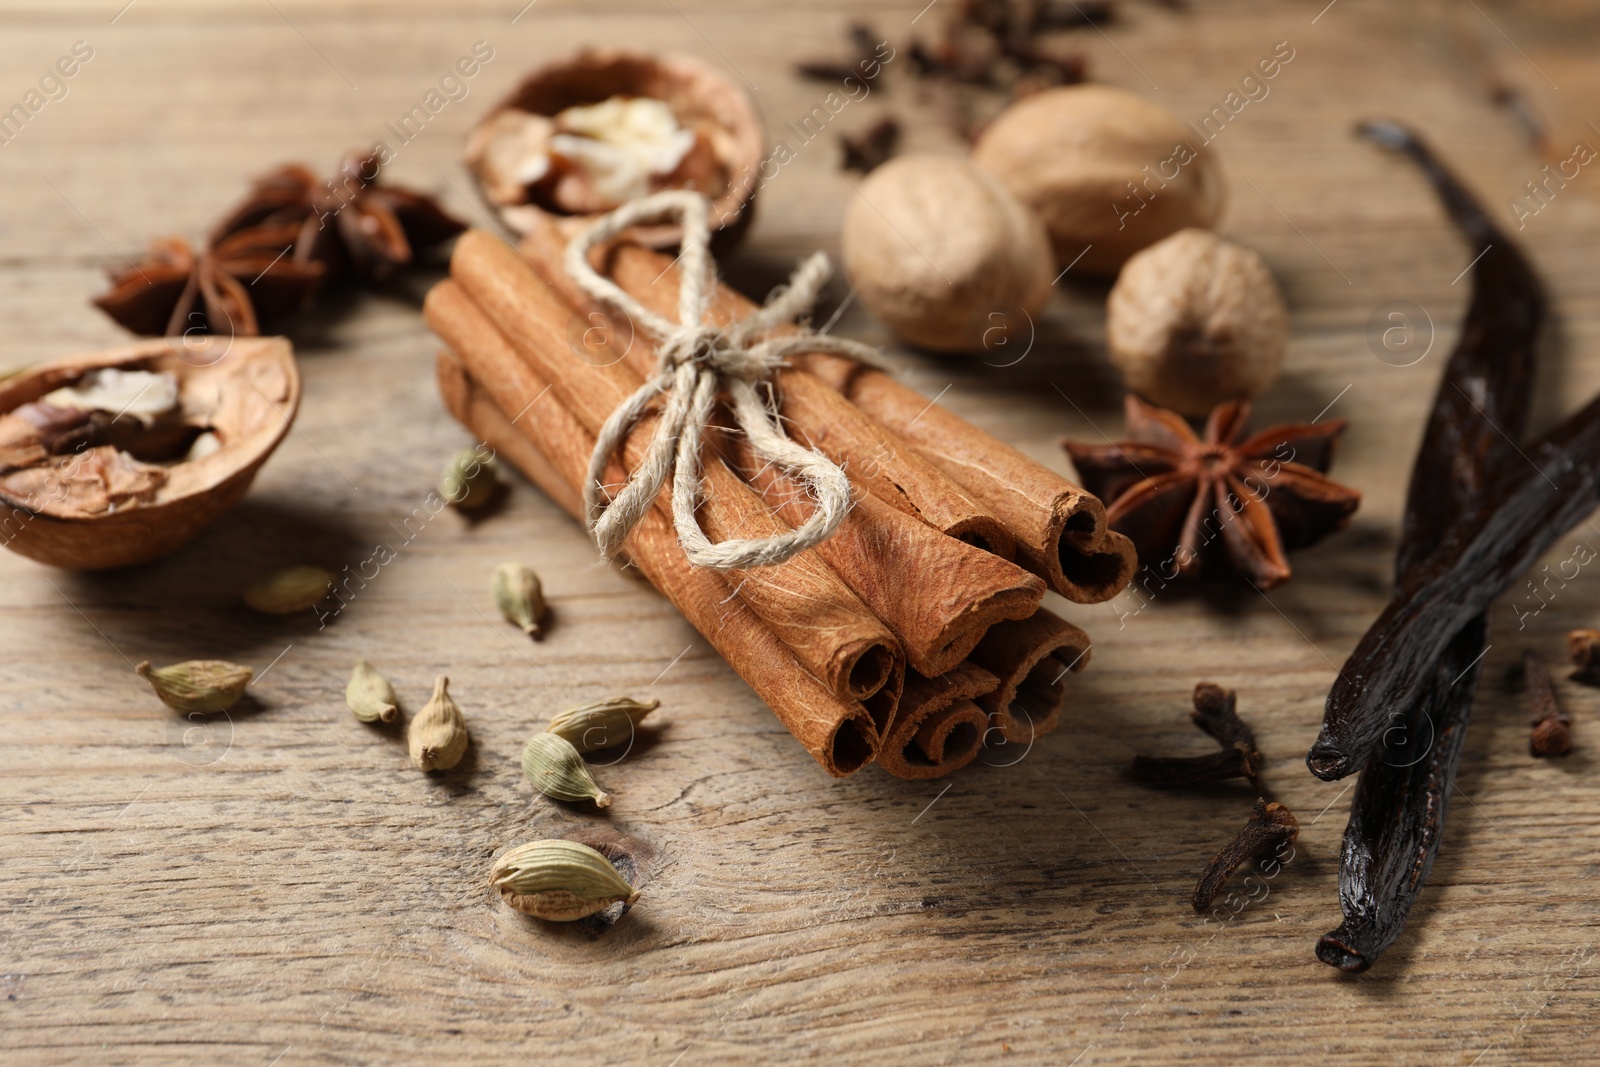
943, 254
1195, 320
1108, 172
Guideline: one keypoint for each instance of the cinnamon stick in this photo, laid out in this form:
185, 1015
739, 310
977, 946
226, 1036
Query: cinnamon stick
473, 409
939, 728
840, 736
814, 412
1031, 656
959, 590
833, 634
1058, 529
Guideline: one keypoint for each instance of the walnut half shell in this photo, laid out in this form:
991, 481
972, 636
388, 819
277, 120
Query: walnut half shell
93, 490
504, 150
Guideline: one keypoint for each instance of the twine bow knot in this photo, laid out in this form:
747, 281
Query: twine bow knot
694, 361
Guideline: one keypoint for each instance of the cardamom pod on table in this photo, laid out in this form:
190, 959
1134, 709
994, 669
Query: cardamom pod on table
370, 695
438, 734
601, 723
557, 770
559, 880
197, 685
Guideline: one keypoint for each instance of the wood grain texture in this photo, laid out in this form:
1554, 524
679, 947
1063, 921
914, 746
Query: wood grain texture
280, 886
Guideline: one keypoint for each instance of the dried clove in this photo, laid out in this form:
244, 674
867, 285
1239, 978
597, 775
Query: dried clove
1585, 648
864, 45
1070, 14
1216, 714
871, 147
1552, 727
1270, 826
825, 70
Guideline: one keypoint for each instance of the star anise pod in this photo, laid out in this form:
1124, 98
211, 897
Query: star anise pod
229, 287
1221, 501
353, 224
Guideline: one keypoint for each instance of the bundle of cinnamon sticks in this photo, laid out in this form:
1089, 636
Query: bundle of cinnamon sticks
914, 635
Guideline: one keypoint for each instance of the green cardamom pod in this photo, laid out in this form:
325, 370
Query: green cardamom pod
197, 685
286, 591
559, 880
601, 723
557, 770
370, 695
469, 479
520, 596
438, 734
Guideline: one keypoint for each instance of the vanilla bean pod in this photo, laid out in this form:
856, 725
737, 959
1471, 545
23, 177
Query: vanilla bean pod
1397, 815
1465, 534
1393, 662
1484, 393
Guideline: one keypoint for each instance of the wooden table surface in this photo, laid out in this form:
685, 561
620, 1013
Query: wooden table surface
279, 886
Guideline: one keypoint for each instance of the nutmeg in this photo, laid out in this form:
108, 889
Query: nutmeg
1195, 320
942, 253
1108, 172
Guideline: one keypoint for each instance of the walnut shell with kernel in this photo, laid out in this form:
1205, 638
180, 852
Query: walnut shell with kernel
944, 255
515, 154
102, 482
1109, 172
1194, 321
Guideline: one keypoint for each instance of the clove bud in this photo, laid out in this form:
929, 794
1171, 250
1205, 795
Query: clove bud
1270, 826
1552, 727
1215, 713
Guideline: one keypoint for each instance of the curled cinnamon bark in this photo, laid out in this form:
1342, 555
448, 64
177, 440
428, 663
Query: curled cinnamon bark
1031, 657
1055, 528
876, 454
841, 736
960, 590
939, 728
832, 632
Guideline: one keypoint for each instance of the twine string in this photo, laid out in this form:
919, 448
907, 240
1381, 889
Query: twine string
694, 362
